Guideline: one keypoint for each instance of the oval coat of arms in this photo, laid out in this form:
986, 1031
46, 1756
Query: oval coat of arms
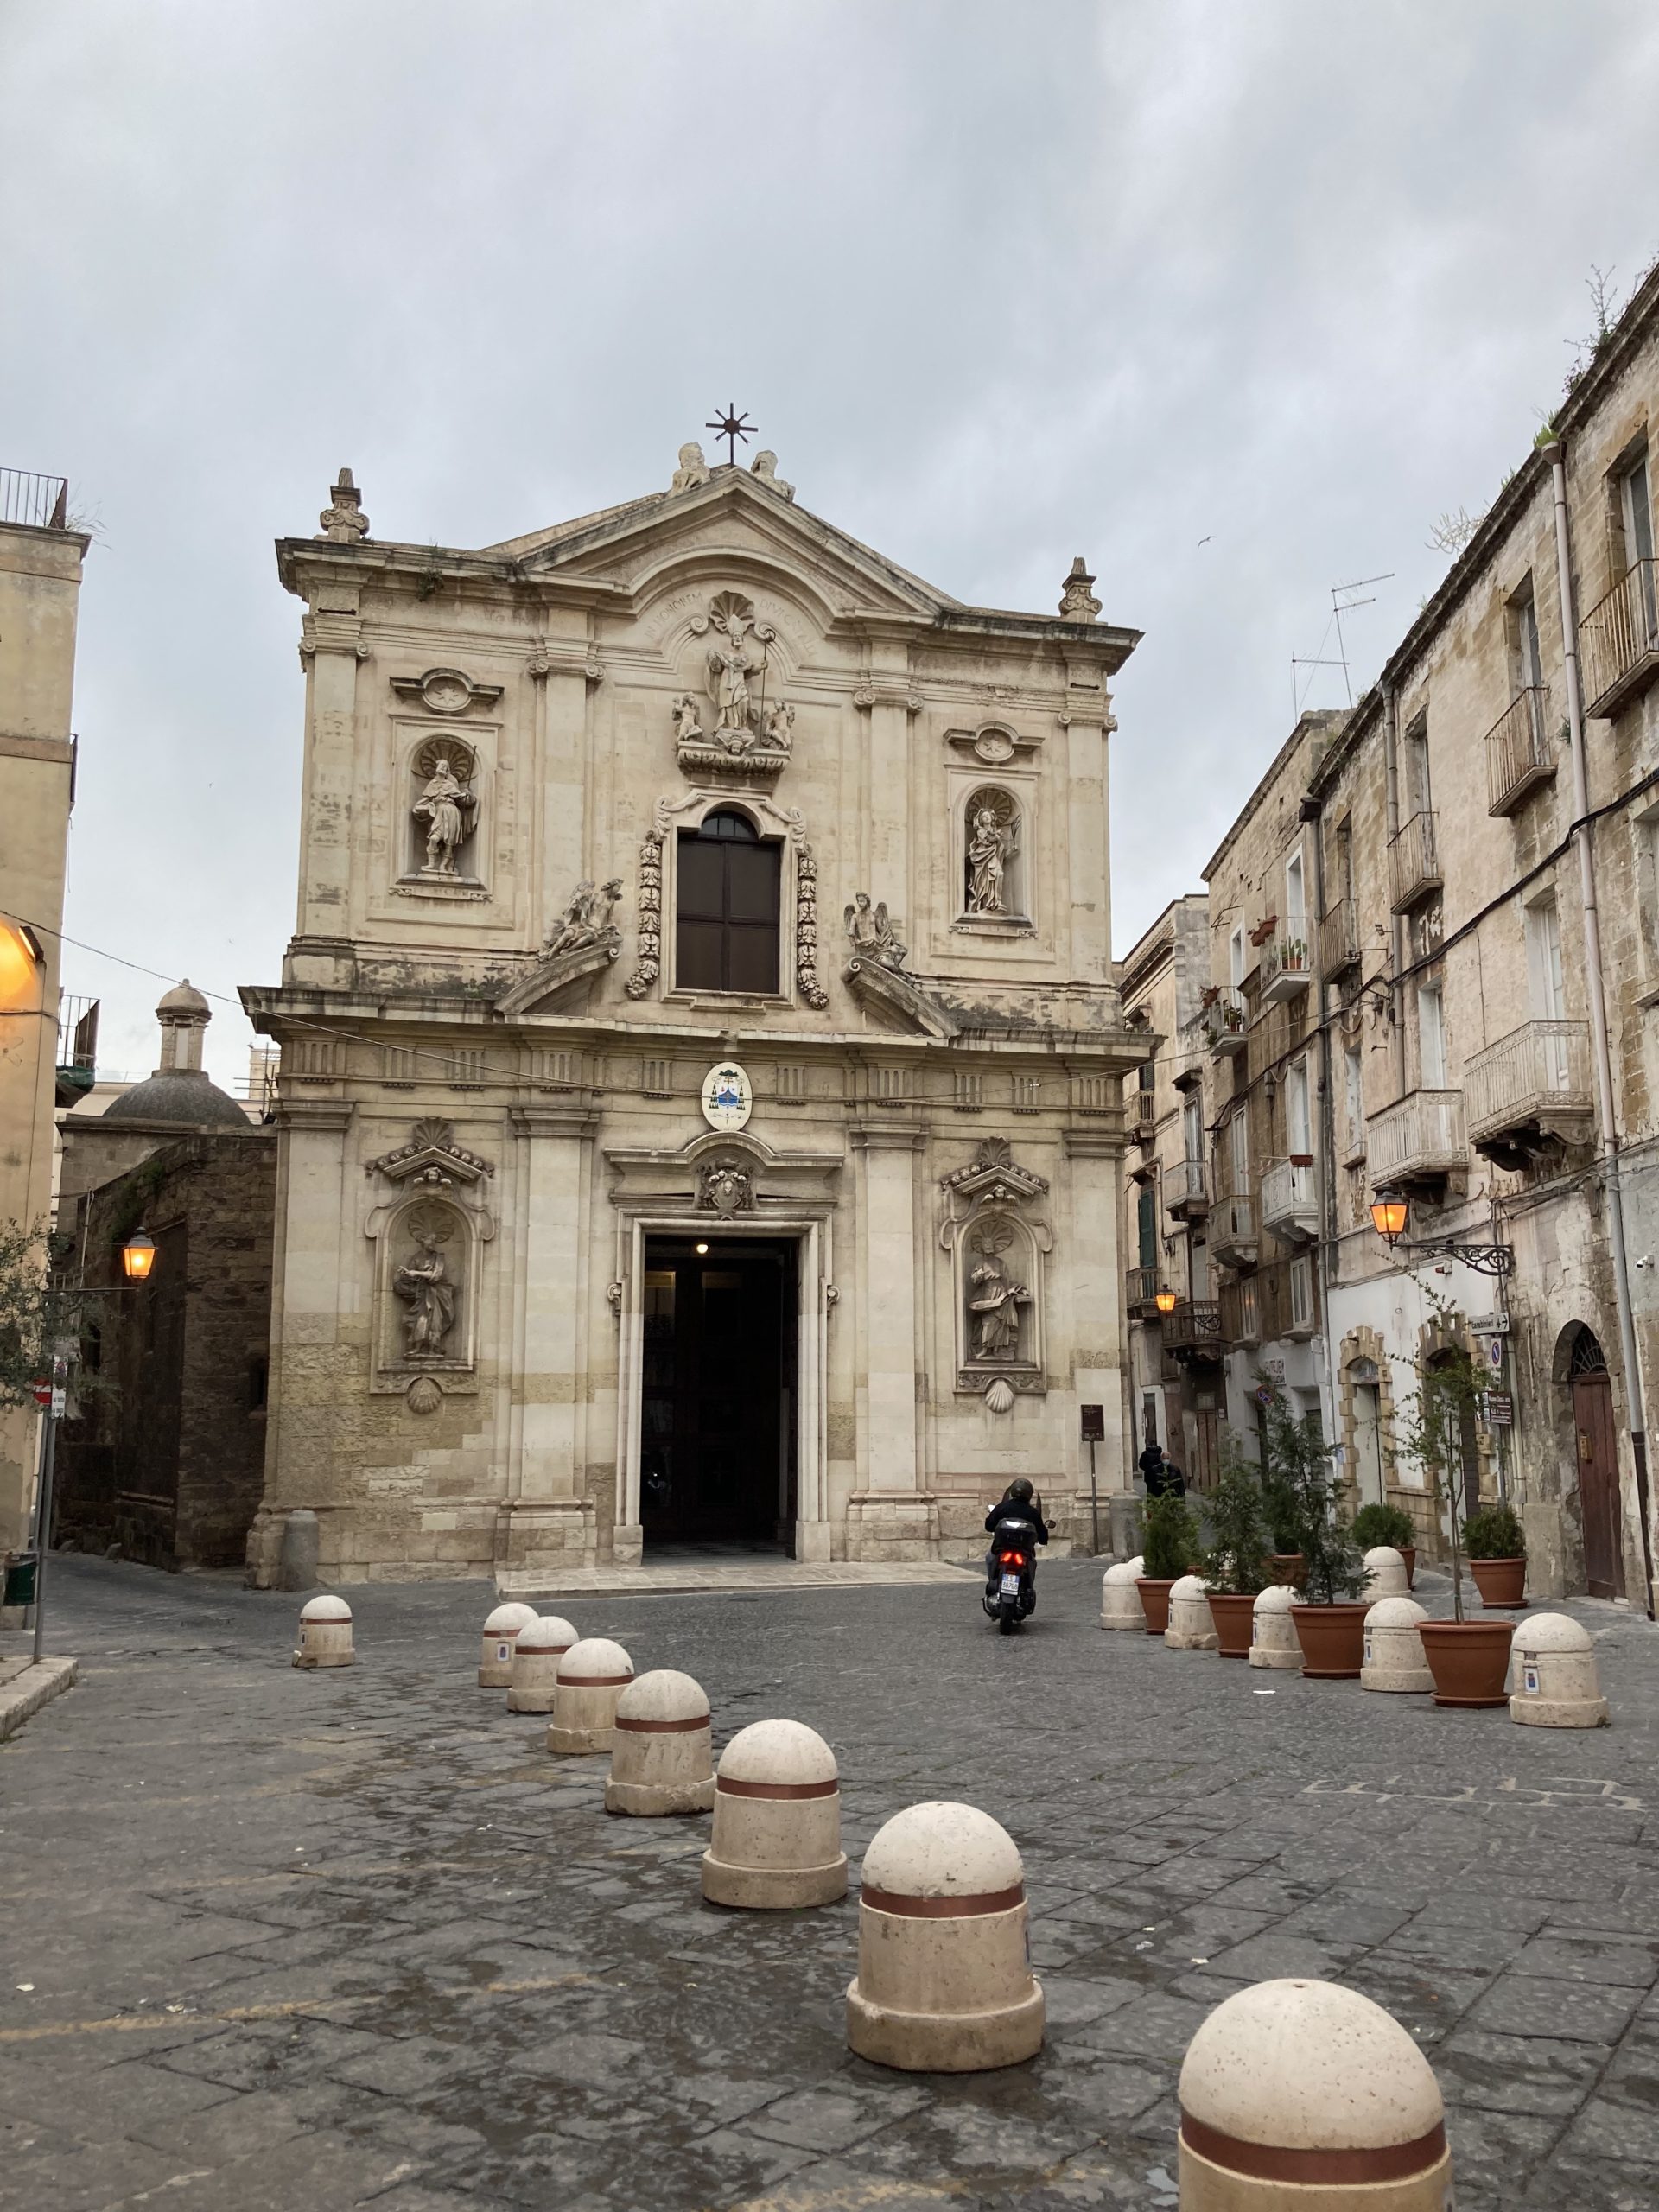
727, 1099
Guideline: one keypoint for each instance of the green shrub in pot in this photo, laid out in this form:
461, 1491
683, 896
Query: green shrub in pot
1385, 1524
1494, 1532
1170, 1539
1233, 1565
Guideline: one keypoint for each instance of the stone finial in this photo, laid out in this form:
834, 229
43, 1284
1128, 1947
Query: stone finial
765, 466
1077, 601
183, 1014
344, 522
693, 469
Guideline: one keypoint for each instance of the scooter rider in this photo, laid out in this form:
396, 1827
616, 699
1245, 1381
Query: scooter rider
1017, 1503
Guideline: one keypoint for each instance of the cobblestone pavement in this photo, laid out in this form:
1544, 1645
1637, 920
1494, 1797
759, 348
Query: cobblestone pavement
277, 1940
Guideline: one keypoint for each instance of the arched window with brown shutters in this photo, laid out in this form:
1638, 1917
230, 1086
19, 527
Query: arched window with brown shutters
728, 894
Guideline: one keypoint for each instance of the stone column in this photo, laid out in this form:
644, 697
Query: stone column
1099, 1348
891, 1515
548, 1520
329, 830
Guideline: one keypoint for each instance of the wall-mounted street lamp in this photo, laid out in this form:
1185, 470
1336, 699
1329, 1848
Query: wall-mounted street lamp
1165, 1301
1390, 1210
138, 1255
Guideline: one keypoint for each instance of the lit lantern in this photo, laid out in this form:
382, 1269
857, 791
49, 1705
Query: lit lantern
138, 1255
1165, 1301
1389, 1210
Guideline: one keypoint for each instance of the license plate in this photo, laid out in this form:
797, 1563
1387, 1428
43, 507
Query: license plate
1010, 1585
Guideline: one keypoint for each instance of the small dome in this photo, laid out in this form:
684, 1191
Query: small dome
187, 1096
662, 1694
1551, 1632
595, 1659
1277, 1597
507, 1620
183, 998
546, 1633
326, 1609
1309, 2066
942, 1850
778, 1750
1395, 1612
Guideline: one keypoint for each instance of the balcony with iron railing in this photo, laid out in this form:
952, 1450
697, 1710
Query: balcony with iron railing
1232, 1230
1339, 946
1413, 862
1226, 1021
1186, 1190
37, 502
1420, 1139
1519, 753
1140, 1290
1193, 1330
1619, 640
77, 1063
1531, 1085
1289, 1205
1286, 965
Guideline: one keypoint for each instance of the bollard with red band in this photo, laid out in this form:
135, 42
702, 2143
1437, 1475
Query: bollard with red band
1304, 2092
536, 1659
944, 1983
501, 1633
593, 1675
326, 1634
777, 1833
661, 1755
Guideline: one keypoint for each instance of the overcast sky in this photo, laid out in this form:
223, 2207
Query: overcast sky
1233, 298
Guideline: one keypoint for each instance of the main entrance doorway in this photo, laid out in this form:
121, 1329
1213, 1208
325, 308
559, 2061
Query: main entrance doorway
1598, 1462
717, 1446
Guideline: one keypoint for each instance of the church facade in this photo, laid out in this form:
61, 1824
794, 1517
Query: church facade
700, 1109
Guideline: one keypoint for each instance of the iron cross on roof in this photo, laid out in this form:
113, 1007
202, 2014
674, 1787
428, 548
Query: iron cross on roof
732, 426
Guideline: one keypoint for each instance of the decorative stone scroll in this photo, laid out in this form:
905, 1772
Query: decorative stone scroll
649, 964
806, 930
343, 520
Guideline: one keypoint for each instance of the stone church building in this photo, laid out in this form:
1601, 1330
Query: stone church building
700, 1110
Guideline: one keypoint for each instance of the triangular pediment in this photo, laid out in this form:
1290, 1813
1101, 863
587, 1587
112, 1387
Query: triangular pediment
734, 521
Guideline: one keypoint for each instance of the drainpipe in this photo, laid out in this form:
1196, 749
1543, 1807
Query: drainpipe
1312, 812
1555, 453
1397, 927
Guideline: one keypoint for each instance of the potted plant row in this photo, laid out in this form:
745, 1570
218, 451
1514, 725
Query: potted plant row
1391, 1525
1330, 1619
1233, 1568
1169, 1545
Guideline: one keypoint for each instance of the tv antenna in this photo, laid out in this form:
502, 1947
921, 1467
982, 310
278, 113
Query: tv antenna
1342, 602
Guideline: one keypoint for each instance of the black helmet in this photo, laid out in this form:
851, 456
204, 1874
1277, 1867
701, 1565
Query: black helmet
1019, 1490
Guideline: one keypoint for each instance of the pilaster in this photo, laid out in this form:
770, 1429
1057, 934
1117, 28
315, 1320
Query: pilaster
891, 1515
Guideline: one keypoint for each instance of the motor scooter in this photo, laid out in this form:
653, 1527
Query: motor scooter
1010, 1584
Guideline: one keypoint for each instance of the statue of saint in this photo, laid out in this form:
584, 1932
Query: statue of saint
991, 845
728, 672
994, 1299
423, 1282
587, 919
870, 931
447, 806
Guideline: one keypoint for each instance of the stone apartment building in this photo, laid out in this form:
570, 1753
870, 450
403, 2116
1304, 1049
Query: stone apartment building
1174, 1370
699, 1116
1431, 858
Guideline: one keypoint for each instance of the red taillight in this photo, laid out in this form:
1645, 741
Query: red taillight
1011, 1559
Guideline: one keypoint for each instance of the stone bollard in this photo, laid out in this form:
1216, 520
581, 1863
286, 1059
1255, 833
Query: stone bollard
593, 1675
1273, 1633
1192, 1625
326, 1634
301, 1543
661, 1758
1120, 1601
1556, 1685
1385, 1573
944, 1983
1394, 1650
1305, 2092
495, 1653
776, 1835
536, 1659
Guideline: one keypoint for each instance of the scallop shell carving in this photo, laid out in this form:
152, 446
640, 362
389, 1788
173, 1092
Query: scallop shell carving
424, 1395
999, 1395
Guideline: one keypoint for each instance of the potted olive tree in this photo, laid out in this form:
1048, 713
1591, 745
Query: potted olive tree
1391, 1525
1497, 1557
1234, 1566
1329, 1618
1469, 1660
1169, 1545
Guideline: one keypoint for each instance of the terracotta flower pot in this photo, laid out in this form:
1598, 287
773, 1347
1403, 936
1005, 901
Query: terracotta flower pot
1290, 1567
1469, 1660
1154, 1603
1332, 1638
1408, 1553
1501, 1582
1232, 1617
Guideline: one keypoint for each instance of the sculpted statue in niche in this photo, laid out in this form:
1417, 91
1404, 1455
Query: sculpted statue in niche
425, 1286
447, 806
994, 1297
871, 932
587, 919
993, 823
744, 730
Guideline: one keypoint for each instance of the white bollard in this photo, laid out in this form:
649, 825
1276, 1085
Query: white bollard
1192, 1625
1385, 1573
1394, 1650
1120, 1601
662, 1759
1304, 2092
777, 1833
1553, 1676
536, 1658
495, 1652
593, 1675
1272, 1632
326, 1634
944, 1983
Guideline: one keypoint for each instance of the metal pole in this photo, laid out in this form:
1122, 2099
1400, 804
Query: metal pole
1594, 994
43, 1507
1093, 1497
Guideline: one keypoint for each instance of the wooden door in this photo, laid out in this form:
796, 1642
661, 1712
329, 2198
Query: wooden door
1592, 1421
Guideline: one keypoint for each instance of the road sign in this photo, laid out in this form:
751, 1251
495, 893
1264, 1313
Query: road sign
1094, 1424
1500, 1410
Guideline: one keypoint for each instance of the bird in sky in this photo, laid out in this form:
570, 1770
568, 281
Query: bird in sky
1204, 541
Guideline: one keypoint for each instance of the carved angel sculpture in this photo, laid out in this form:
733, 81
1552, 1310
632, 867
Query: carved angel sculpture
871, 932
446, 805
780, 727
587, 919
686, 726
